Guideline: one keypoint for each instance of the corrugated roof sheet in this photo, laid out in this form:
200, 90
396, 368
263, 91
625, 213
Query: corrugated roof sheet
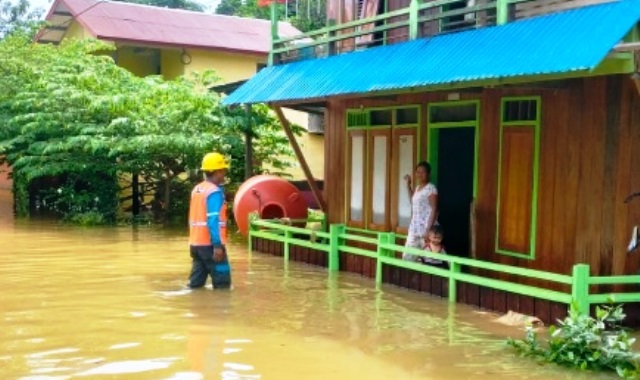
569, 41
121, 21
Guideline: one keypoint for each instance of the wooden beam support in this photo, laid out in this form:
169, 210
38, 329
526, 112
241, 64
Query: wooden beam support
635, 77
626, 47
303, 162
274, 33
43, 41
61, 28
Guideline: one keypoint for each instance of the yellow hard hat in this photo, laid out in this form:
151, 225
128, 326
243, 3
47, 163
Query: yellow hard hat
214, 161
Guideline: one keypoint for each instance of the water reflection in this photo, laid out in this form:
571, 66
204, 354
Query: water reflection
129, 367
112, 303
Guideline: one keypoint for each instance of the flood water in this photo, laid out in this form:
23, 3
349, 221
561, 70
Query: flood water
110, 303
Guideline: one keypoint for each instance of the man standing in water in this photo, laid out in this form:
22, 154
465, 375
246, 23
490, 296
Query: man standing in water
208, 226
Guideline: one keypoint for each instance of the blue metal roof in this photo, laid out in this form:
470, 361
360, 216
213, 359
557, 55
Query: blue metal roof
569, 41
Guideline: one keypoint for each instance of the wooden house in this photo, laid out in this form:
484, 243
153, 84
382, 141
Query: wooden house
528, 111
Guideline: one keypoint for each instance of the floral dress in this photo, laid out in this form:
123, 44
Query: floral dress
420, 214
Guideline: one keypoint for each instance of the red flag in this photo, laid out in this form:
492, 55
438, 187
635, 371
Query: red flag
266, 3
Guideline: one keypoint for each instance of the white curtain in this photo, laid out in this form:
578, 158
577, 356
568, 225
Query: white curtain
406, 154
379, 172
357, 178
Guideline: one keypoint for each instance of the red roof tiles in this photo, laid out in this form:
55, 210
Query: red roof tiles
118, 21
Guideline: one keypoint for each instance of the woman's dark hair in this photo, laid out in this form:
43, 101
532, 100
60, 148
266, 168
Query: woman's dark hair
425, 165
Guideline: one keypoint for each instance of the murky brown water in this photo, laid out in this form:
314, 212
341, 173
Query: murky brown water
109, 303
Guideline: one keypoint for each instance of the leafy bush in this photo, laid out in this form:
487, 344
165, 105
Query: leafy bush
315, 216
69, 110
586, 343
89, 218
86, 199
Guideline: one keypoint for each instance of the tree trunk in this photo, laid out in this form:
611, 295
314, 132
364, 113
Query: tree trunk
248, 145
135, 194
167, 198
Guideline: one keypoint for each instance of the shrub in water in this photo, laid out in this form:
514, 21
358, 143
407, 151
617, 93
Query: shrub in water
584, 342
89, 218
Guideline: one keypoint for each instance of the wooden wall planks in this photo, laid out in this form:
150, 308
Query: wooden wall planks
334, 161
589, 135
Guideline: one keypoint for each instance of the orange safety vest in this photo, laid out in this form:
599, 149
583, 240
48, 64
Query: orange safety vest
198, 230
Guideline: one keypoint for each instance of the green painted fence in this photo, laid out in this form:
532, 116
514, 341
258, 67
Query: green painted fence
336, 241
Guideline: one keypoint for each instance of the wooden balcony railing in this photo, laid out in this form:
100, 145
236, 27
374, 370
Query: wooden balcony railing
420, 19
529, 8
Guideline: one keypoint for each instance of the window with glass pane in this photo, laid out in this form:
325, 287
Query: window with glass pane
406, 154
407, 116
381, 150
380, 180
357, 178
381, 118
453, 113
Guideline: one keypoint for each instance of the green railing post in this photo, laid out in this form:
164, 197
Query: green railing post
274, 31
580, 287
251, 229
414, 8
287, 246
383, 238
453, 291
502, 13
335, 230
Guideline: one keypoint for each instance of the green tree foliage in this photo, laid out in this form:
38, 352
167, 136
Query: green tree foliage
69, 113
247, 8
305, 15
16, 15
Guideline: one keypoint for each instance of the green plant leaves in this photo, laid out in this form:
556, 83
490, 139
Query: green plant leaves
68, 111
586, 343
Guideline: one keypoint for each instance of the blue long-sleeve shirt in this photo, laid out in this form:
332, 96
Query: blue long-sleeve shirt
214, 205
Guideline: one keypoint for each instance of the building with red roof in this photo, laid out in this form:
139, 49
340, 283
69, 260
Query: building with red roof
173, 42
170, 42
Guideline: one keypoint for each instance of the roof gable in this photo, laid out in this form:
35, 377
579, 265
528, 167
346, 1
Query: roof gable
135, 23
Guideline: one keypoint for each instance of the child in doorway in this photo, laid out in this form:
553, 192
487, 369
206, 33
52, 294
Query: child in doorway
434, 244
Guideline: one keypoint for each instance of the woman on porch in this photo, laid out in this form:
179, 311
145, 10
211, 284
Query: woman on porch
424, 207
